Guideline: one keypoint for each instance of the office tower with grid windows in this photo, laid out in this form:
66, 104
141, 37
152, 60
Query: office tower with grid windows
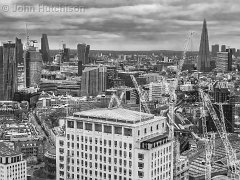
10, 55
114, 144
32, 66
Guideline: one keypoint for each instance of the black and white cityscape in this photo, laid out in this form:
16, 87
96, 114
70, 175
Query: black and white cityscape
120, 90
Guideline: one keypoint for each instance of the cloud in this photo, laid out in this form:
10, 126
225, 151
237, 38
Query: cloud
125, 24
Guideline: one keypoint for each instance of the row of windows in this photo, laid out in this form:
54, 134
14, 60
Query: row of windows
97, 174
161, 169
104, 142
100, 128
161, 152
151, 129
158, 162
109, 152
162, 176
100, 167
101, 158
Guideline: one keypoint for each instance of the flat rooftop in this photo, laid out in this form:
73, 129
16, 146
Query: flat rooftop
6, 151
115, 115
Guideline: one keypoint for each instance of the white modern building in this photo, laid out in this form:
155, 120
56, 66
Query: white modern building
157, 89
114, 144
12, 165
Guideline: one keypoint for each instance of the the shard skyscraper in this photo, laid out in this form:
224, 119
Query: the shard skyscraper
203, 64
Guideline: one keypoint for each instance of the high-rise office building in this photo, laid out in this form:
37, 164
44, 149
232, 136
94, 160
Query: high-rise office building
215, 49
221, 95
223, 48
9, 54
94, 81
114, 144
81, 49
224, 61
45, 48
66, 55
87, 54
33, 66
19, 51
233, 51
12, 165
203, 64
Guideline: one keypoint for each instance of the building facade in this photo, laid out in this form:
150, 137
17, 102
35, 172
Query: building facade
215, 49
9, 54
94, 81
33, 67
224, 61
81, 50
114, 144
223, 48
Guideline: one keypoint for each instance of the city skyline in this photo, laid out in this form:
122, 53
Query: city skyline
124, 25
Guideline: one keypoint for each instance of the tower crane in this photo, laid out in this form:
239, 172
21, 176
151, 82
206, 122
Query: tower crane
232, 161
141, 95
209, 142
118, 100
173, 87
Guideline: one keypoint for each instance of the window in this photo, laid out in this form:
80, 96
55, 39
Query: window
70, 124
127, 132
145, 130
140, 174
88, 126
98, 127
107, 129
130, 146
140, 156
140, 165
61, 143
117, 130
79, 125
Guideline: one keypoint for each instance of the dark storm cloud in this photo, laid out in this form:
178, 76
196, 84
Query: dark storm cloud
112, 23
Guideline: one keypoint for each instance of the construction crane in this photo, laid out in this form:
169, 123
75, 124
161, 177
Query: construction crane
141, 95
118, 100
207, 141
173, 87
232, 161
114, 97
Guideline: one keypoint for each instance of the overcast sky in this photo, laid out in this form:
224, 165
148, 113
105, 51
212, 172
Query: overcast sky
122, 24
